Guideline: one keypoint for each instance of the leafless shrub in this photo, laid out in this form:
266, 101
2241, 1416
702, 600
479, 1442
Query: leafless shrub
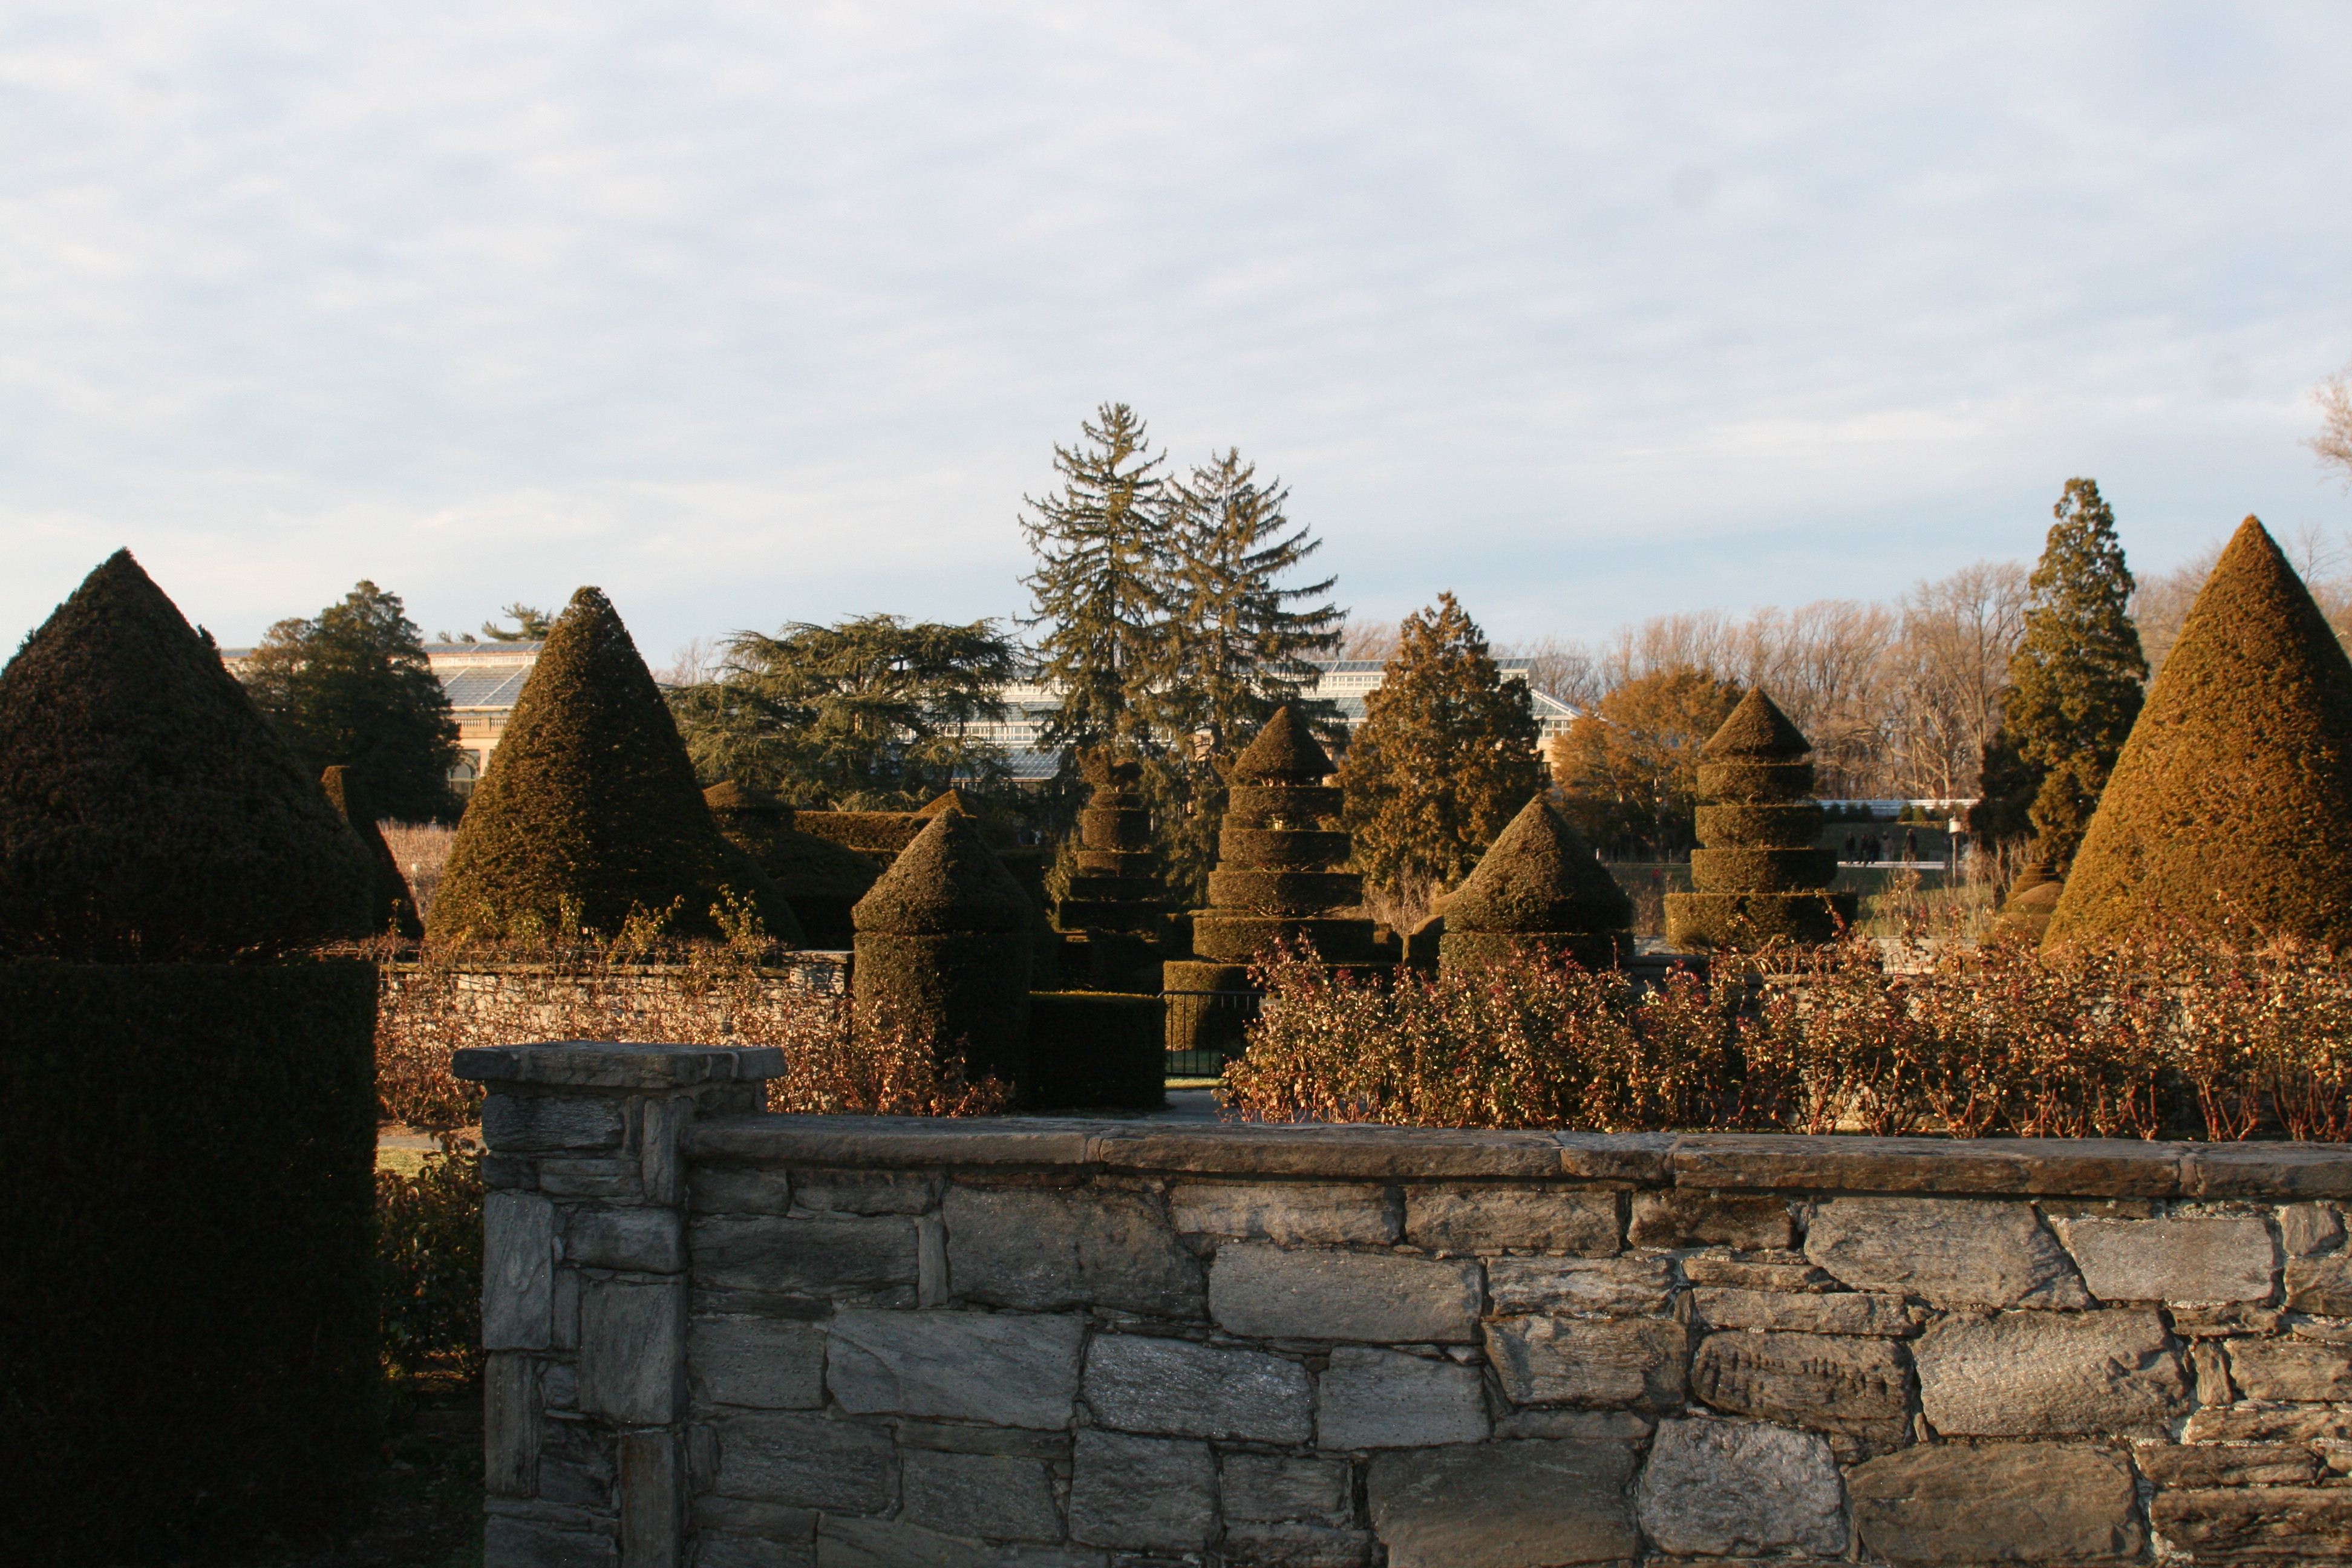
422, 848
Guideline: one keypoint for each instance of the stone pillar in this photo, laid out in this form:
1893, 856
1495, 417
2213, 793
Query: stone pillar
584, 1291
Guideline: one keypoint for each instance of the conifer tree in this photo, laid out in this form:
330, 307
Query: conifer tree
2075, 685
1445, 758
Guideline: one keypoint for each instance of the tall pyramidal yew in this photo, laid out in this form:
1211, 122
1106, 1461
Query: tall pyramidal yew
1539, 889
590, 812
2230, 809
1761, 876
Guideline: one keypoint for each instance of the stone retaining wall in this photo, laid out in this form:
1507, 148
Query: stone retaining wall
729, 1339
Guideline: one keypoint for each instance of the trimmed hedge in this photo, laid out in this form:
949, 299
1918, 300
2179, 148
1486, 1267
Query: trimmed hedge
1279, 849
962, 994
1746, 891
1123, 828
1284, 891
1745, 871
1221, 937
946, 882
1310, 808
1479, 949
1540, 877
1757, 732
821, 879
1746, 920
1089, 1048
392, 908
1797, 826
190, 1312
880, 833
1754, 783
1285, 753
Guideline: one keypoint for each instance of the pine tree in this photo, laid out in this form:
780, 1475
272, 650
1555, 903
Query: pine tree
2075, 685
1445, 758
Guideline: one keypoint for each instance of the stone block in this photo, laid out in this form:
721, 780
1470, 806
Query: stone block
2012, 1502
2027, 1374
1616, 1426
1504, 1505
2284, 1372
1783, 1273
1156, 1493
1838, 1312
1579, 1286
1135, 1383
2252, 1464
729, 1549
2306, 1229
617, 1065
633, 1348
1955, 1252
727, 1189
1471, 1217
804, 1460
647, 1239
1689, 1216
896, 1543
1287, 1546
768, 1364
2197, 1261
1291, 1214
992, 1495
1015, 1442
517, 1271
576, 1466
652, 1496
1724, 1488
511, 1425
2253, 1524
551, 1124
1009, 1369
1268, 1293
1857, 1387
864, 1192
1273, 1487
1386, 1399
811, 1256
2256, 1425
775, 1521
615, 1178
508, 1543
2321, 1285
2226, 1318
1049, 1247
1589, 1360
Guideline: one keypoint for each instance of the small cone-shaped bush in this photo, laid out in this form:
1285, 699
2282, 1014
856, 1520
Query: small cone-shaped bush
822, 880
1760, 877
2230, 809
1538, 889
589, 812
1114, 887
943, 950
148, 811
392, 908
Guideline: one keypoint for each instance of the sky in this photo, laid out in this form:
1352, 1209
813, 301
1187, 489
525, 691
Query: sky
754, 313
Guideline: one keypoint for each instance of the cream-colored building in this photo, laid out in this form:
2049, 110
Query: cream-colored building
482, 680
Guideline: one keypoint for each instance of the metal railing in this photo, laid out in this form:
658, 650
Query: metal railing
1205, 1030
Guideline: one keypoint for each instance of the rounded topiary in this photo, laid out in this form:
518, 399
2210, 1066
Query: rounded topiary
589, 812
148, 811
2230, 809
1760, 879
392, 908
943, 950
1539, 888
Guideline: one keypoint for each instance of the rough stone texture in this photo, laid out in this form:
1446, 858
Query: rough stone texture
2258, 1464
1685, 1217
718, 1189
633, 1348
2262, 1523
1464, 1218
2260, 1426
2016, 1502
1384, 1399
1589, 1360
1503, 1505
517, 1271
895, 1543
863, 1191
1573, 1286
2022, 1374
1288, 1213
1841, 1313
526, 1543
2187, 1260
2306, 1229
1956, 1252
992, 1495
1151, 1492
1278, 1488
551, 1124
2286, 1370
1047, 1247
1858, 1387
807, 1461
1135, 1383
770, 1363
1012, 1369
1720, 1488
648, 1239
510, 1424
2228, 1318
1269, 1292
1782, 1273
2322, 1285
814, 1257
1248, 1544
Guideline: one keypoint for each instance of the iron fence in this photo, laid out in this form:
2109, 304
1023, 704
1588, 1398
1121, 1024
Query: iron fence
1206, 1029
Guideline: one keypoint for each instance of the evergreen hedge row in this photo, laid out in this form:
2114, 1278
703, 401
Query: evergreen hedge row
1089, 1049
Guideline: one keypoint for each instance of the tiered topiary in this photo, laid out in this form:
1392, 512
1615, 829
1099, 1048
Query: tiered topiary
1539, 889
1114, 887
589, 813
2230, 810
943, 950
2033, 898
391, 907
187, 1107
1761, 876
822, 880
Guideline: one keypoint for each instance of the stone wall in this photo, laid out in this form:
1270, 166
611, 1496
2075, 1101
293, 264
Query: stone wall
729, 1339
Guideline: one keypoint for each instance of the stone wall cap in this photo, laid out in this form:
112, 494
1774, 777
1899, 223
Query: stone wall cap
2077, 1167
616, 1064
2267, 1169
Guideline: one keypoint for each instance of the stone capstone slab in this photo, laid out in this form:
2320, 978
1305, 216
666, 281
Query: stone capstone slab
1955, 1252
1858, 1387
2257, 1524
2079, 1167
1136, 1382
1012, 1369
2022, 1374
1148, 1492
2193, 1261
1049, 1247
621, 1065
1690, 1217
769, 1364
1271, 1292
1289, 1214
1581, 1287
1504, 1505
805, 1460
1589, 1360
2321, 1285
2290, 1371
992, 1495
802, 1257
1465, 1217
1838, 1312
1725, 1488
633, 1348
1386, 1399
647, 1239
2009, 1502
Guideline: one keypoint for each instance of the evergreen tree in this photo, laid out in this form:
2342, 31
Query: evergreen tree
353, 689
1445, 758
531, 625
2075, 686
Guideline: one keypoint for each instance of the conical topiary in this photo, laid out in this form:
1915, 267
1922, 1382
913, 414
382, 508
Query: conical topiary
392, 908
1761, 876
1538, 889
589, 812
1278, 876
1114, 888
148, 811
943, 950
2230, 809
822, 880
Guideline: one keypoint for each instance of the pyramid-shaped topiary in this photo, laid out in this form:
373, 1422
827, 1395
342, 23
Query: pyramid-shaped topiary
822, 880
1539, 889
392, 908
1761, 876
2230, 810
589, 812
148, 811
1114, 887
943, 950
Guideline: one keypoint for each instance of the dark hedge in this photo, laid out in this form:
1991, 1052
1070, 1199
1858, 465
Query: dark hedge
1539, 876
1283, 891
1089, 1049
964, 993
1750, 885
190, 1314
1757, 732
1748, 919
1285, 753
1786, 827
1755, 783
1220, 936
880, 833
947, 880
392, 908
1299, 807
821, 879
1482, 949
1278, 848
148, 811
1741, 870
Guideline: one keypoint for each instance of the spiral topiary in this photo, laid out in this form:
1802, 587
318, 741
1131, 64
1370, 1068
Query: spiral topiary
1761, 877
